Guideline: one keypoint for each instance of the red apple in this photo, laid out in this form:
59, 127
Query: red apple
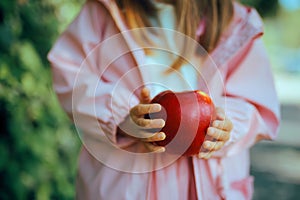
187, 116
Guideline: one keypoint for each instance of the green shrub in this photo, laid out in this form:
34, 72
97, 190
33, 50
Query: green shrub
38, 143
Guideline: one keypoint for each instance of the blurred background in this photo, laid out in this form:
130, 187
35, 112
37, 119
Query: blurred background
39, 145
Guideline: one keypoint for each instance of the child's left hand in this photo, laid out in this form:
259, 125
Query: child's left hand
217, 135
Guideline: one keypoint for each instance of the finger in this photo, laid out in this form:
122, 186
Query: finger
142, 109
205, 155
142, 135
225, 125
156, 137
149, 123
220, 113
213, 146
153, 148
218, 134
145, 95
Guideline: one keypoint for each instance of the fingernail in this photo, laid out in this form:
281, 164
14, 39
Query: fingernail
205, 156
216, 124
159, 123
222, 116
162, 136
160, 150
162, 123
156, 107
201, 155
211, 131
207, 145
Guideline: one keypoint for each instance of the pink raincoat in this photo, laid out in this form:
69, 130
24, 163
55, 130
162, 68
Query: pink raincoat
97, 77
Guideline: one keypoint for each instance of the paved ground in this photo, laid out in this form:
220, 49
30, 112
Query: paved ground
276, 165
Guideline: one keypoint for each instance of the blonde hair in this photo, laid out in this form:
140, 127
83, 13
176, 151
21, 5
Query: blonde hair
216, 14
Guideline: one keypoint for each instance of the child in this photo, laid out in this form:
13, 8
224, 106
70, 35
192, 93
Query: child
107, 66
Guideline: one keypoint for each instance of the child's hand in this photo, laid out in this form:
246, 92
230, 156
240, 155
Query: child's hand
136, 125
217, 135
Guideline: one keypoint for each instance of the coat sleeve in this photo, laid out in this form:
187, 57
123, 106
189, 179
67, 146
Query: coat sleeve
251, 101
84, 85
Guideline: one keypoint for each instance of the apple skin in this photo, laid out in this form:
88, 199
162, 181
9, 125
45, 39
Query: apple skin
187, 115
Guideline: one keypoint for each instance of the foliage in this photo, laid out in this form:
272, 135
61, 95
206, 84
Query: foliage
38, 144
265, 8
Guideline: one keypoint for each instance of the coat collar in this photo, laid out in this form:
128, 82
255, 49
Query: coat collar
245, 26
118, 18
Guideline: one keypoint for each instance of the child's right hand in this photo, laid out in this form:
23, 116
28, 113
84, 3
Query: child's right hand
137, 126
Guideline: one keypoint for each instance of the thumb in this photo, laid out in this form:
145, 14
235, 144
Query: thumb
145, 95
